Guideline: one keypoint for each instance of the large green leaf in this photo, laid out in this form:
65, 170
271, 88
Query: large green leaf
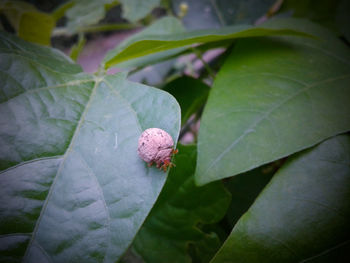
29, 23
72, 186
153, 43
173, 222
134, 10
211, 14
190, 93
273, 97
302, 215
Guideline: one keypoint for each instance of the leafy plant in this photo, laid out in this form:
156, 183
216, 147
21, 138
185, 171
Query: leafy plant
265, 179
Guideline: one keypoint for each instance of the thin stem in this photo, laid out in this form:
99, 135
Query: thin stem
205, 64
63, 31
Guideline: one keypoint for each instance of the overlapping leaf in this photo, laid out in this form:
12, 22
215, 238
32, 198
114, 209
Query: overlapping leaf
273, 97
173, 222
72, 186
163, 27
147, 44
302, 215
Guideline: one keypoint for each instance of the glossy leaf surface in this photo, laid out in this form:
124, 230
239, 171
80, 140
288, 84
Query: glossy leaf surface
302, 215
173, 222
271, 98
149, 44
72, 186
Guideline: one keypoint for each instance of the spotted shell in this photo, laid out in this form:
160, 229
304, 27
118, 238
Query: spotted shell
155, 145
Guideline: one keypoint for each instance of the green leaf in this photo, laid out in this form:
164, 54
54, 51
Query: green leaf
211, 14
29, 23
271, 98
134, 10
72, 186
190, 93
302, 215
173, 222
319, 11
162, 27
87, 12
149, 43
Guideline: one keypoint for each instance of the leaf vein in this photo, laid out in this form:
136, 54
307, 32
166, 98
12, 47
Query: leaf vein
77, 129
267, 113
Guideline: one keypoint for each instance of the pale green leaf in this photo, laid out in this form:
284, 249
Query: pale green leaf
72, 186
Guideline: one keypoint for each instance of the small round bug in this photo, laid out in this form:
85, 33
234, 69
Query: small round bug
156, 146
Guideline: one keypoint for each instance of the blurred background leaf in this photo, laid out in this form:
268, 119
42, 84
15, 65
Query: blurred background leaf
29, 23
134, 10
86, 12
217, 13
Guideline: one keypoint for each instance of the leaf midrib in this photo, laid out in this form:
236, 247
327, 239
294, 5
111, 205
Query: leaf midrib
77, 129
267, 113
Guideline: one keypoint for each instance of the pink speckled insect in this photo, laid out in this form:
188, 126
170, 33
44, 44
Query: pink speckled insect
156, 146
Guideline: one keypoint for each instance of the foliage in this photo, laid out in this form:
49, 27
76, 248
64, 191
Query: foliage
273, 108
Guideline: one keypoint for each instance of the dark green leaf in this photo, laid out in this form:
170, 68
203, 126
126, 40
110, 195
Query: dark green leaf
273, 97
173, 222
134, 10
72, 186
319, 11
29, 23
244, 189
210, 14
302, 215
190, 93
343, 18
150, 43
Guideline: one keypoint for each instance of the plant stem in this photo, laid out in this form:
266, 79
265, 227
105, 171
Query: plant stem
63, 31
205, 64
